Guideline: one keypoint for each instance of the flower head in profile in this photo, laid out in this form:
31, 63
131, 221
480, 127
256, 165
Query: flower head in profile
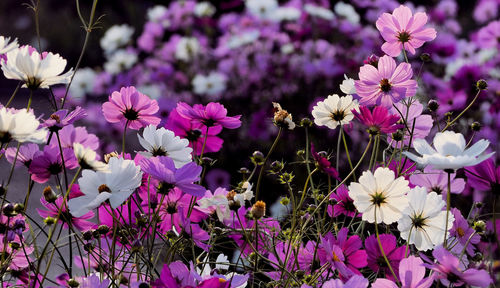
132, 107
347, 85
34, 69
386, 84
87, 158
323, 164
214, 114
62, 118
378, 121
163, 142
5, 46
450, 271
379, 196
411, 274
20, 125
449, 151
424, 220
334, 111
163, 168
115, 184
404, 31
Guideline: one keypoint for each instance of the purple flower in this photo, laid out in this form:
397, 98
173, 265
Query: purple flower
437, 181
411, 275
48, 162
214, 114
420, 125
461, 232
62, 118
451, 271
403, 31
163, 169
484, 176
394, 254
356, 281
488, 37
24, 156
71, 134
385, 84
132, 107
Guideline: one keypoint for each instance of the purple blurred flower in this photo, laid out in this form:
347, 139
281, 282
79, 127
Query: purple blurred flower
48, 162
437, 181
24, 156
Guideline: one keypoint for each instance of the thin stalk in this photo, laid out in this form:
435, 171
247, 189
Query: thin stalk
124, 138
462, 113
348, 154
264, 164
447, 208
382, 248
13, 94
337, 157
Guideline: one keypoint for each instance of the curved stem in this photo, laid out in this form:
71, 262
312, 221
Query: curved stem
382, 249
264, 164
461, 113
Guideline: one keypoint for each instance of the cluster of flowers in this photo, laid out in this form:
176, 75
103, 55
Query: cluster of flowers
144, 219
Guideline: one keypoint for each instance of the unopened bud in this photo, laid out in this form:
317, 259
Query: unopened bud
103, 229
8, 210
433, 105
244, 170
49, 195
479, 226
88, 235
306, 122
475, 126
482, 84
73, 283
277, 166
2, 190
19, 207
257, 158
425, 57
49, 220
398, 135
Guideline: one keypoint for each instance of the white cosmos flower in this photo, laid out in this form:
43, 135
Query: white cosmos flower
187, 48
222, 262
424, 220
262, 9
163, 142
244, 38
87, 158
5, 46
157, 13
212, 84
319, 12
245, 196
287, 14
221, 204
382, 193
116, 37
449, 152
334, 111
347, 86
120, 61
35, 71
116, 185
204, 9
20, 125
83, 83
347, 11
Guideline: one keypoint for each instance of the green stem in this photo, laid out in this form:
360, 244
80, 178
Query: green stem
257, 189
348, 154
13, 94
461, 113
124, 138
382, 249
448, 197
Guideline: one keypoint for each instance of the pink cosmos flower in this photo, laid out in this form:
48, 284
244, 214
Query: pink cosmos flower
378, 121
71, 134
195, 133
18, 257
437, 181
214, 114
385, 85
489, 36
451, 271
80, 223
484, 176
24, 156
394, 254
402, 30
418, 123
411, 274
132, 107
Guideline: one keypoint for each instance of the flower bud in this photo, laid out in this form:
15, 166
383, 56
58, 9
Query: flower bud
257, 158
306, 122
482, 84
15, 245
88, 235
88, 247
477, 257
426, 57
479, 226
73, 283
301, 152
103, 229
433, 105
19, 208
49, 220
398, 135
258, 209
49, 195
475, 126
8, 210
207, 160
285, 201
277, 166
244, 170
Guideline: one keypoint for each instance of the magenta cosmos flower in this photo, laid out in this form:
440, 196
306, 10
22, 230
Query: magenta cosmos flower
402, 30
344, 204
323, 164
132, 107
386, 84
378, 121
52, 210
214, 114
48, 162
394, 254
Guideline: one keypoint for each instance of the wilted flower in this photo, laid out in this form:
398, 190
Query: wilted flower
282, 118
34, 69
